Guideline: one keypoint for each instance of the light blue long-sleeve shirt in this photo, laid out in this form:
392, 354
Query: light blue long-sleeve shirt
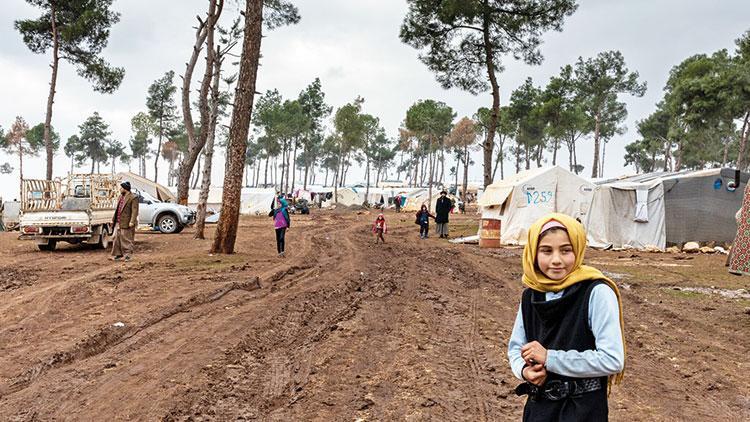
604, 321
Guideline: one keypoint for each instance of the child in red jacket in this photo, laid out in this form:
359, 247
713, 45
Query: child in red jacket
379, 228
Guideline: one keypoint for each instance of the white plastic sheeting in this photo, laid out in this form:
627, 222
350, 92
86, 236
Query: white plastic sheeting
616, 220
253, 201
519, 200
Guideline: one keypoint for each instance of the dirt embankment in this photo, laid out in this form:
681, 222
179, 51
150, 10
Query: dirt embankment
341, 329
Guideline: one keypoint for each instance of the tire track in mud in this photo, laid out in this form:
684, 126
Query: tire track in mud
106, 338
310, 314
110, 336
481, 402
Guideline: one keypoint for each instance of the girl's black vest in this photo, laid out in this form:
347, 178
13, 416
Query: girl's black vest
562, 324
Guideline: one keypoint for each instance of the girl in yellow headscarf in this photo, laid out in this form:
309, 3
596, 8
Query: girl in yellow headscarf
567, 342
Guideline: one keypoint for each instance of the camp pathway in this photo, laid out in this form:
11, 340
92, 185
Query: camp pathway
342, 329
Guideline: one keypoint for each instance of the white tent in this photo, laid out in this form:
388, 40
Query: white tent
627, 214
662, 209
144, 185
519, 200
253, 201
256, 201
416, 199
214, 198
348, 197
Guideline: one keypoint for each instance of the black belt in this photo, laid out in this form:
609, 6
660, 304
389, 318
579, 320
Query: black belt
558, 390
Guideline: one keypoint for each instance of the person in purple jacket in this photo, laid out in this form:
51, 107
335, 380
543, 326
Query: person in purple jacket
281, 221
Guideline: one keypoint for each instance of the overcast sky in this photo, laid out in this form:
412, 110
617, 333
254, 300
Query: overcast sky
353, 46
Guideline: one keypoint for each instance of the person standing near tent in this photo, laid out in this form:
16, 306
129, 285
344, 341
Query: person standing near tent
281, 221
379, 228
124, 222
423, 219
442, 211
397, 202
567, 342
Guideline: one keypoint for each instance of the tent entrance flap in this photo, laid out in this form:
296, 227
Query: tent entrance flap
495, 196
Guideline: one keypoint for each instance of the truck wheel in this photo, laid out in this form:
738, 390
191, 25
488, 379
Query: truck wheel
50, 246
167, 223
103, 240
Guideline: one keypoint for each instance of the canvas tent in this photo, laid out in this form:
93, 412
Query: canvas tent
256, 201
519, 200
253, 201
9, 214
212, 203
679, 207
348, 197
142, 184
415, 200
627, 214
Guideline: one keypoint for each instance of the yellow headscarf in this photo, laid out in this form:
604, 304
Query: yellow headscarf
535, 280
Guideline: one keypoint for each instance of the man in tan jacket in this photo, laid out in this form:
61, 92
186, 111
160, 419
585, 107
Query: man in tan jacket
125, 221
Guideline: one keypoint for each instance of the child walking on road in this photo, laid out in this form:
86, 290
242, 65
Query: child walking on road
423, 219
281, 221
567, 342
379, 228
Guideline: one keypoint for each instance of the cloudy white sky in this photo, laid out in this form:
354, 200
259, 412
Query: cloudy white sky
353, 46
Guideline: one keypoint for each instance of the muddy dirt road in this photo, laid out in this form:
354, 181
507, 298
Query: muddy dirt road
341, 329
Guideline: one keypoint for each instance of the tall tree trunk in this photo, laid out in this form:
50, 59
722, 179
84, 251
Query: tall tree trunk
432, 176
527, 156
604, 152
489, 142
51, 98
442, 166
743, 141
200, 218
265, 175
226, 231
678, 162
467, 160
570, 156
367, 188
539, 153
20, 169
325, 182
597, 129
556, 145
667, 154
294, 164
196, 143
458, 169
282, 184
307, 168
275, 169
158, 152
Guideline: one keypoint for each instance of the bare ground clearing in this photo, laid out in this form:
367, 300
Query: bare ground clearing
339, 330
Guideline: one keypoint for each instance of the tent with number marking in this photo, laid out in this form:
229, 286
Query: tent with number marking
519, 200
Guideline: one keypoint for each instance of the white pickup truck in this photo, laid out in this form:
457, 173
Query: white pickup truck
77, 209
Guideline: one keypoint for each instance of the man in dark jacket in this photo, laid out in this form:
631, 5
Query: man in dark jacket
442, 211
125, 221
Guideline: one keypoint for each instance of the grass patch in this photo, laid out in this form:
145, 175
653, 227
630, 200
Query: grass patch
685, 294
463, 228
